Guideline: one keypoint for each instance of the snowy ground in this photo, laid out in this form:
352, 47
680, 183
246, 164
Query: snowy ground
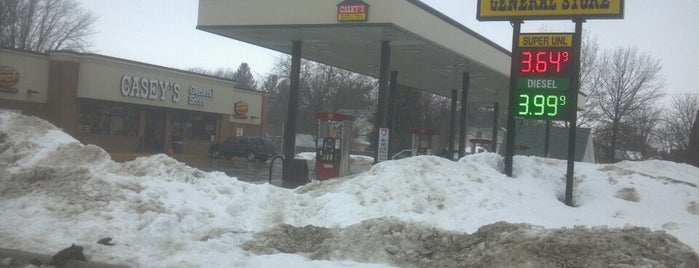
55, 191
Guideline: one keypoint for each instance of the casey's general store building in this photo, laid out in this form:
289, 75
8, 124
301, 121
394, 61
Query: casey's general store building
125, 106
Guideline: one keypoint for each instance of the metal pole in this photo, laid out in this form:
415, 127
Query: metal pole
290, 130
547, 138
383, 85
574, 88
512, 109
465, 82
452, 124
494, 137
392, 92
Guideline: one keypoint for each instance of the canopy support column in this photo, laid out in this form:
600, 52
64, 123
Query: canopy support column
393, 91
381, 117
465, 81
494, 138
290, 126
452, 123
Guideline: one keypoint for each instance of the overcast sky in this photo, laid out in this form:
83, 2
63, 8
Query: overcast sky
163, 32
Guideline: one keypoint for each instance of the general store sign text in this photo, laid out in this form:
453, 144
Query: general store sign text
161, 90
549, 9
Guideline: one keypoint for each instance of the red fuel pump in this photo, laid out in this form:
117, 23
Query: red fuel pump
422, 141
333, 145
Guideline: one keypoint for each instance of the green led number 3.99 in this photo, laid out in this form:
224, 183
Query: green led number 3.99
545, 106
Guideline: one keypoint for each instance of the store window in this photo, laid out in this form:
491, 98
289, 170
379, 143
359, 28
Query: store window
108, 118
195, 126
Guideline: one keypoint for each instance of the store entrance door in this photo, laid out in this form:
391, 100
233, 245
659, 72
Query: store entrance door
155, 131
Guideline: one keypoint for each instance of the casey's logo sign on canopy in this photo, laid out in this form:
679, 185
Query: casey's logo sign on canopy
352, 10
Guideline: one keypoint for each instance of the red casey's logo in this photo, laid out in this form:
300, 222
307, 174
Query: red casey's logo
352, 10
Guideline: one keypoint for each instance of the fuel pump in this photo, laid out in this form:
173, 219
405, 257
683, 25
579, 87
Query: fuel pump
333, 145
422, 141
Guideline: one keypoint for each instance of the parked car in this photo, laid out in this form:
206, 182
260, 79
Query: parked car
251, 147
405, 153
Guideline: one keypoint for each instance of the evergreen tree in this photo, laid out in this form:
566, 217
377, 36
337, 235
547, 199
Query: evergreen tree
244, 78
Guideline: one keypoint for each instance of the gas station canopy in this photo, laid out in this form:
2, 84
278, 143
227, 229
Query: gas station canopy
429, 50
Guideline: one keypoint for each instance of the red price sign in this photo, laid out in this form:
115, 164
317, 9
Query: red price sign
545, 62
545, 54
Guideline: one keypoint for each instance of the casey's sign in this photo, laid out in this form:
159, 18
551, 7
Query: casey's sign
352, 10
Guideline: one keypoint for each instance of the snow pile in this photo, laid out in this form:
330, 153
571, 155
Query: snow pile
496, 245
55, 191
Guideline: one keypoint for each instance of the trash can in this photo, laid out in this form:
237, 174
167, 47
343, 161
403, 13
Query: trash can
298, 173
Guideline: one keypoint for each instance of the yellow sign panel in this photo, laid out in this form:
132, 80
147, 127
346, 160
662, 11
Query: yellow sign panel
351, 17
546, 40
549, 9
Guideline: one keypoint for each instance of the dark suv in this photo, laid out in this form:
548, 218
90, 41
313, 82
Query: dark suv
251, 147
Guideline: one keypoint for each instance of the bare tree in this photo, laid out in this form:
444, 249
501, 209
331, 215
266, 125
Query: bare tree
643, 126
323, 88
409, 113
636, 136
221, 72
277, 89
43, 25
677, 125
589, 79
630, 82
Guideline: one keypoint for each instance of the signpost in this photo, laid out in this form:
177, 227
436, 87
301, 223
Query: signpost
545, 71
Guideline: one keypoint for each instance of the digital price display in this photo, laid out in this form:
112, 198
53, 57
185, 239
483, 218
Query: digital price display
543, 77
546, 105
545, 62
